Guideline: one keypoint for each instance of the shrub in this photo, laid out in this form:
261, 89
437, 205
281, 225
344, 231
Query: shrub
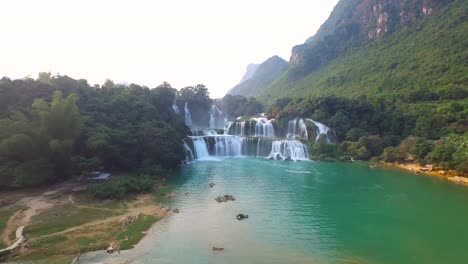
393, 154
119, 187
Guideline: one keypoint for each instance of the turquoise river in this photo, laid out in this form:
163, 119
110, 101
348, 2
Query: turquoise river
306, 212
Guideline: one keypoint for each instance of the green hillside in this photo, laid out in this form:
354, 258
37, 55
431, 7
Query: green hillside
427, 59
263, 76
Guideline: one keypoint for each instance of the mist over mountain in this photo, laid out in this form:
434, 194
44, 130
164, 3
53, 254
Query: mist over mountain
258, 77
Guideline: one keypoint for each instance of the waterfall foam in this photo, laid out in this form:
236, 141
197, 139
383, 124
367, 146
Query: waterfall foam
320, 130
297, 129
264, 127
289, 149
201, 149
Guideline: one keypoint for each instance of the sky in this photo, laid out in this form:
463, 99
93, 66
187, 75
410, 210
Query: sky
183, 42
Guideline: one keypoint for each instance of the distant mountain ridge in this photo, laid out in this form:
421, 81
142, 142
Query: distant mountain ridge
258, 77
249, 72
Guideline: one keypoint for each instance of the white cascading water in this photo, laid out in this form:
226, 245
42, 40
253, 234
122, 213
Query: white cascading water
320, 130
175, 107
289, 149
188, 153
264, 127
258, 141
201, 149
214, 113
188, 116
297, 129
228, 146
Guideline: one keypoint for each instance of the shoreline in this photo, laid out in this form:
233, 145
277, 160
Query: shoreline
141, 211
448, 175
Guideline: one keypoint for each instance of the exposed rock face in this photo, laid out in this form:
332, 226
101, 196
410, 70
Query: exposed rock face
355, 22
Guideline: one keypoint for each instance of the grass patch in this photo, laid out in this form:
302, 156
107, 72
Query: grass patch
47, 241
134, 232
63, 217
6, 213
2, 245
110, 204
59, 248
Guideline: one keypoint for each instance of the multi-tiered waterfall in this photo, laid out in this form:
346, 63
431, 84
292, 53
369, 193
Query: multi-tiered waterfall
256, 137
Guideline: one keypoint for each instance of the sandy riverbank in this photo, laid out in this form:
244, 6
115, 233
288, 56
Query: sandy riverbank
449, 175
61, 223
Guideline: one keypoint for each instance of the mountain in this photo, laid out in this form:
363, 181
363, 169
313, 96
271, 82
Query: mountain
381, 48
264, 74
249, 72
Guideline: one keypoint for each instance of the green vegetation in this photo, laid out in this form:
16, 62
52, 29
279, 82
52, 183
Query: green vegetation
237, 105
63, 217
423, 62
87, 239
135, 232
5, 214
56, 127
120, 187
424, 132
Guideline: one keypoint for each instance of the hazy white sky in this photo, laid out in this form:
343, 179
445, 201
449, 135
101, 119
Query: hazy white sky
183, 42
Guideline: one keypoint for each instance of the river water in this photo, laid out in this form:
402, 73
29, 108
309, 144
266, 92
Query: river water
306, 212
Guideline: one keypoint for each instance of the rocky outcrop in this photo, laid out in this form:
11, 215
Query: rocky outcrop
353, 23
242, 217
225, 198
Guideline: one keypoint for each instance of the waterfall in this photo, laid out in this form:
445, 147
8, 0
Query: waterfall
228, 146
175, 107
188, 117
289, 149
188, 153
201, 149
256, 138
213, 112
320, 130
227, 127
239, 129
264, 128
255, 127
297, 129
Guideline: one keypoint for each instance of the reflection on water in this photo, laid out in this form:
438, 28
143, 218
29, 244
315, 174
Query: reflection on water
305, 213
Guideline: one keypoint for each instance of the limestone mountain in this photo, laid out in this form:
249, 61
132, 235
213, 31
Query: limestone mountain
370, 47
262, 76
249, 72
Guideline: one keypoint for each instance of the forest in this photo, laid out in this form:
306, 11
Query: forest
392, 130
54, 128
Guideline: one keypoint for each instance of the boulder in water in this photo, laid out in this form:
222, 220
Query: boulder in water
218, 249
225, 198
242, 216
176, 211
211, 185
288, 159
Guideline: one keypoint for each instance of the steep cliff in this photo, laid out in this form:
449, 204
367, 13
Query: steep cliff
380, 47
